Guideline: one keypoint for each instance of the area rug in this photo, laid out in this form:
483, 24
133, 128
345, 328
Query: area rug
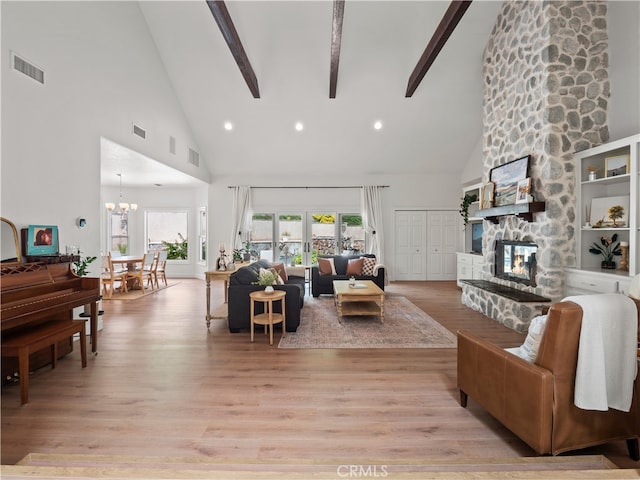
136, 294
405, 326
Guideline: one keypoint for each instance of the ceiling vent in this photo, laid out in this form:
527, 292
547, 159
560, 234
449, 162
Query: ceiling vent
30, 70
194, 158
139, 131
172, 145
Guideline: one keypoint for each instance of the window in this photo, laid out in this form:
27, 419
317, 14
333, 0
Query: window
167, 230
119, 232
202, 235
261, 235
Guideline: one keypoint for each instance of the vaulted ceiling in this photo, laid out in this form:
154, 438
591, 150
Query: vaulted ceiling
288, 45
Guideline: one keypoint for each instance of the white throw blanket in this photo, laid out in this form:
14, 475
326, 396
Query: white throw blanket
607, 358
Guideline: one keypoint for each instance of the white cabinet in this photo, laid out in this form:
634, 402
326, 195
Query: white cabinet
581, 282
469, 267
616, 183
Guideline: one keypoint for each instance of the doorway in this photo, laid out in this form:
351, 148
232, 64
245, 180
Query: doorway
426, 244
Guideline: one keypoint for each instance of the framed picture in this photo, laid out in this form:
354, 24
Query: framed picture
40, 240
522, 190
618, 165
486, 195
600, 211
506, 178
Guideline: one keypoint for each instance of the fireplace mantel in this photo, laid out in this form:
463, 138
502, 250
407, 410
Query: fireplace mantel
522, 210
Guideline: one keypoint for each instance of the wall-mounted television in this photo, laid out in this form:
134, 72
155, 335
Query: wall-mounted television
476, 237
40, 240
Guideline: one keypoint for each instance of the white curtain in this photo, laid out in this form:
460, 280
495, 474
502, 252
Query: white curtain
372, 220
241, 216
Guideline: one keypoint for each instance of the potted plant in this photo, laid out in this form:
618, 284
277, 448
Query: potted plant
267, 278
607, 248
467, 200
81, 265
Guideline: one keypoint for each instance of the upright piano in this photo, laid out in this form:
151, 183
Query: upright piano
34, 293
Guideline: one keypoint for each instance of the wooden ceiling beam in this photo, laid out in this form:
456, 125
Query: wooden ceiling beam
446, 27
223, 19
336, 43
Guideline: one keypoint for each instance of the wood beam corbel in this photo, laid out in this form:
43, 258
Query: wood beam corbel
446, 27
336, 43
223, 19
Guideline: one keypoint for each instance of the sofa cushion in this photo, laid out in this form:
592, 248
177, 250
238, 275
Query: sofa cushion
326, 266
529, 349
279, 267
368, 265
244, 276
354, 267
279, 280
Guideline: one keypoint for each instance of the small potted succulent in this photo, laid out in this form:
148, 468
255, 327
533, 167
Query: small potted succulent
607, 248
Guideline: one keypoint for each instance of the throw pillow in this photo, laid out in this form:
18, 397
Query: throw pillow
279, 280
354, 267
368, 265
279, 267
529, 349
326, 266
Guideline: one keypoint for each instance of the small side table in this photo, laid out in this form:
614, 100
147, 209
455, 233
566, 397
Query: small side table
268, 318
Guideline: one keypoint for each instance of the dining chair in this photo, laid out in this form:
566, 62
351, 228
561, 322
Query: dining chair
109, 276
161, 265
115, 253
144, 271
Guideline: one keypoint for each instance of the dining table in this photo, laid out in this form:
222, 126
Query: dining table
131, 262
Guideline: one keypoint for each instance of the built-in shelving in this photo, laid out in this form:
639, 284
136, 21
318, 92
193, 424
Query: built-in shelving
589, 277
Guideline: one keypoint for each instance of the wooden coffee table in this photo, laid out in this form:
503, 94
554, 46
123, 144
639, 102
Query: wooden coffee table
364, 299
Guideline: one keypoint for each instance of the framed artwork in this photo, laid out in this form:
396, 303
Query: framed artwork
522, 190
486, 195
506, 178
40, 240
600, 211
618, 165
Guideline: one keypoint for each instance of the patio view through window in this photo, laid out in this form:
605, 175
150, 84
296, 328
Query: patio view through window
167, 230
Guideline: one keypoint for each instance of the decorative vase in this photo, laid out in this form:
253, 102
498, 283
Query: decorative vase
592, 176
268, 289
609, 265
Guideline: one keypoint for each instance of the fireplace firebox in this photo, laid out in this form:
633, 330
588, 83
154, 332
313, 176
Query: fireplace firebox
516, 261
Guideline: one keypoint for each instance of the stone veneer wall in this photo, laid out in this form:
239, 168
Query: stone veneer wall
546, 93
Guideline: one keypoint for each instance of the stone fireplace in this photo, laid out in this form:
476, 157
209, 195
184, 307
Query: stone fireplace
546, 91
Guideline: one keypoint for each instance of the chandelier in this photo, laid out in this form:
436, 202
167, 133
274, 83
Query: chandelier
122, 206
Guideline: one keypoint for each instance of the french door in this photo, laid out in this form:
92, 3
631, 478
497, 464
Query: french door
301, 236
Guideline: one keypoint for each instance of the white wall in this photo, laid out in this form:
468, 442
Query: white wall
624, 74
102, 73
624, 68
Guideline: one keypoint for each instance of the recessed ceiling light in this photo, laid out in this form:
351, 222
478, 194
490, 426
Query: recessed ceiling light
228, 126
377, 125
299, 126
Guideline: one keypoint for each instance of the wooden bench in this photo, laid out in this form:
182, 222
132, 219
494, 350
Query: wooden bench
46, 335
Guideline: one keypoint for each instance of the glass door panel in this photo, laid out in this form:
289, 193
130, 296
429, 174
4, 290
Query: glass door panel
323, 233
291, 238
261, 236
351, 234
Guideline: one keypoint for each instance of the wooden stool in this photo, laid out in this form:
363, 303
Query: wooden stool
37, 338
268, 318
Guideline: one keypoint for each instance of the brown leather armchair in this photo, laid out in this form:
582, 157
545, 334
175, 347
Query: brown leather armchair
535, 400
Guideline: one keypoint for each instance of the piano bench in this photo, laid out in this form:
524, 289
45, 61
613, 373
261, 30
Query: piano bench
45, 335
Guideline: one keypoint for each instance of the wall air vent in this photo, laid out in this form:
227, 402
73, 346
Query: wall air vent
139, 131
194, 158
30, 70
172, 145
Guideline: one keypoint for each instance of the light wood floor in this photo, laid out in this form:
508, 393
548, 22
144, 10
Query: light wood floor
162, 385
